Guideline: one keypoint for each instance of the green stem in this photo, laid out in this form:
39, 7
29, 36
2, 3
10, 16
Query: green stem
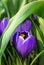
37, 57
6, 8
0, 61
23, 61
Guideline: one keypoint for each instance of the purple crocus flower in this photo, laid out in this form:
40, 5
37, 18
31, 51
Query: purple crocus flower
23, 41
3, 24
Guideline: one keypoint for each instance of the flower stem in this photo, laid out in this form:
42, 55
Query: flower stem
23, 61
0, 61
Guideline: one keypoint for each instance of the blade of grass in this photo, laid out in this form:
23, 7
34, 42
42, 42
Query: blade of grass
37, 57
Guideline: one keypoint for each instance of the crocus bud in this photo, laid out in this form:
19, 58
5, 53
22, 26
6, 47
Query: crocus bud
3, 24
34, 16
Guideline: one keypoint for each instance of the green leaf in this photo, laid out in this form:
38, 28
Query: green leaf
21, 3
2, 10
40, 43
38, 55
41, 58
5, 59
37, 31
4, 2
40, 46
41, 22
22, 14
31, 0
12, 7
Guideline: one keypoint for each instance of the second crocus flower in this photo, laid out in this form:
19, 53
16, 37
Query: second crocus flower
3, 24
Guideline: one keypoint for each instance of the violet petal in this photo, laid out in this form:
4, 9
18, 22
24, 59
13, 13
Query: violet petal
25, 26
3, 25
25, 46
